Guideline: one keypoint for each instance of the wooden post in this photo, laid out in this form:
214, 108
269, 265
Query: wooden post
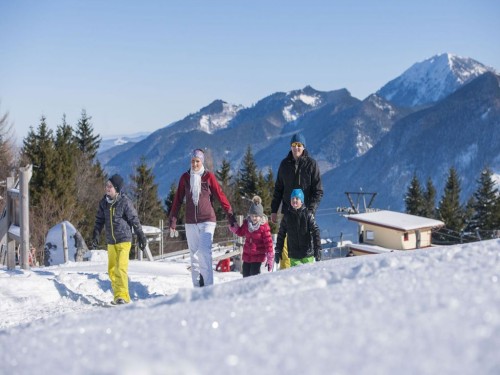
11, 255
138, 252
161, 237
65, 241
25, 177
11, 245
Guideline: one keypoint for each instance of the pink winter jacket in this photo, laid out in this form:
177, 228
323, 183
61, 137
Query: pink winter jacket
258, 245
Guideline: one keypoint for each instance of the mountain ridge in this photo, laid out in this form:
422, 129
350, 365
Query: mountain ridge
342, 133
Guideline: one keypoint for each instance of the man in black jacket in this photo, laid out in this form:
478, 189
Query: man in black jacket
297, 171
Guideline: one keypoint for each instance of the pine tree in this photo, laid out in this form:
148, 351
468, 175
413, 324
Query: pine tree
248, 179
496, 218
89, 182
429, 200
66, 150
224, 175
469, 210
39, 149
169, 201
414, 199
224, 178
269, 187
145, 195
485, 203
88, 143
450, 210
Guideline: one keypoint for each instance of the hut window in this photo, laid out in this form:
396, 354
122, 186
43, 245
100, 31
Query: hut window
370, 235
405, 236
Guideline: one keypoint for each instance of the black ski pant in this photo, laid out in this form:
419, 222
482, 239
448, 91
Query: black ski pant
250, 269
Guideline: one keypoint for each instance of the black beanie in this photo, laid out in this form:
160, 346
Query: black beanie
117, 181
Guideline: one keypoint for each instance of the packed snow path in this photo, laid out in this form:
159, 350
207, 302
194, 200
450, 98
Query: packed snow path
434, 311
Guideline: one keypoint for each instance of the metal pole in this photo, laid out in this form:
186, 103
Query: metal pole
24, 180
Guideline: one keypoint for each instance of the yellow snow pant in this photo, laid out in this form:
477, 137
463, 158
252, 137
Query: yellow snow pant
118, 269
285, 261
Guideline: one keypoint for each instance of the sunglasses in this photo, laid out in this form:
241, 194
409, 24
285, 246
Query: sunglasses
297, 144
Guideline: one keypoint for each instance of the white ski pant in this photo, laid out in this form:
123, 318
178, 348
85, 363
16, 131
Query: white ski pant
199, 238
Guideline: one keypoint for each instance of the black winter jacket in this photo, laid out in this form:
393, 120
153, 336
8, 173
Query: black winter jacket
118, 218
301, 232
307, 178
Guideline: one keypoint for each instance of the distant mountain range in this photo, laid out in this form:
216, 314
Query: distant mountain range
442, 112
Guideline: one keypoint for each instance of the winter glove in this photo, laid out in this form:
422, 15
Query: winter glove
95, 239
270, 261
277, 257
173, 224
317, 255
274, 217
231, 219
234, 228
143, 242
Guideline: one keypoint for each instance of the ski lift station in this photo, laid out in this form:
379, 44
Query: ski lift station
386, 231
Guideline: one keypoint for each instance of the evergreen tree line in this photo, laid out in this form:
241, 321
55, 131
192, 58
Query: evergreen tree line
68, 182
480, 215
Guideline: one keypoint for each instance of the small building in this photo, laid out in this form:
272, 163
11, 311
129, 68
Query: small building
382, 231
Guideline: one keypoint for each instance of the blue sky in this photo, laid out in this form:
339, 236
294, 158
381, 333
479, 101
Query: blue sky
139, 65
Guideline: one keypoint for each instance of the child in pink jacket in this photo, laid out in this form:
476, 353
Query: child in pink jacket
258, 247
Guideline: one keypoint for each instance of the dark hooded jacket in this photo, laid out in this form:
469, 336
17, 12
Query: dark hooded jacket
118, 218
301, 232
306, 177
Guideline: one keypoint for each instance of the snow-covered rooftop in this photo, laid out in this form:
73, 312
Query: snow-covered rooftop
396, 220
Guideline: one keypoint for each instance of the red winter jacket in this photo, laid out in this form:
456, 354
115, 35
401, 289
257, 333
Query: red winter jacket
258, 245
205, 211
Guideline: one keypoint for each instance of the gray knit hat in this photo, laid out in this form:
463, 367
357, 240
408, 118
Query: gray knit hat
256, 207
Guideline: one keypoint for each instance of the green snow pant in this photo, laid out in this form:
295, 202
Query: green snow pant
298, 262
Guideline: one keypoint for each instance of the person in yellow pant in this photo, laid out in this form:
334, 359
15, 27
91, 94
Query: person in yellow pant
117, 215
118, 256
284, 261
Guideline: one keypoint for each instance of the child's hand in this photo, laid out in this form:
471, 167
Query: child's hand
234, 228
269, 266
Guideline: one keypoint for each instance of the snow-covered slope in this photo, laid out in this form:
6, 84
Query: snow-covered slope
431, 80
429, 311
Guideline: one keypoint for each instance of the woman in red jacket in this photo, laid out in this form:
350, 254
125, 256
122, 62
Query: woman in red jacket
258, 247
198, 186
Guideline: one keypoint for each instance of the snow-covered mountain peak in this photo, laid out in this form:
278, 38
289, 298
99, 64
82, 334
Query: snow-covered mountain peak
431, 80
217, 116
297, 99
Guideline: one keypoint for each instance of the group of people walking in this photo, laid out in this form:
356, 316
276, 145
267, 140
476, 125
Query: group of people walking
298, 191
